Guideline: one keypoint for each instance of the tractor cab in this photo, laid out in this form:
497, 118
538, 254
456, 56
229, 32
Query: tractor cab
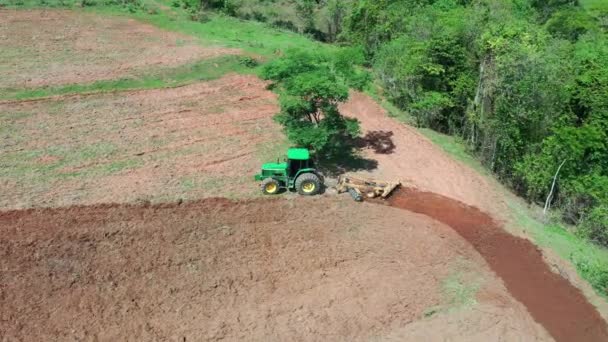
297, 172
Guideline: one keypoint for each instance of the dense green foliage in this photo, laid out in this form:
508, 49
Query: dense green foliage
311, 84
319, 19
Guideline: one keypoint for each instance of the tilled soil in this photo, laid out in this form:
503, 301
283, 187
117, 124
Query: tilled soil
57, 47
201, 140
271, 270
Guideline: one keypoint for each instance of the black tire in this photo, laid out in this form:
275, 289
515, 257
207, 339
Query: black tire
270, 186
308, 184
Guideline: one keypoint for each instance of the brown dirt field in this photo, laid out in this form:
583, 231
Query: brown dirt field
254, 270
201, 140
56, 47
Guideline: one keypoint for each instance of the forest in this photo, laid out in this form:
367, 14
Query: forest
524, 83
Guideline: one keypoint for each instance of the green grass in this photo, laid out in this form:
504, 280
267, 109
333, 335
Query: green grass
458, 292
205, 70
254, 37
459, 289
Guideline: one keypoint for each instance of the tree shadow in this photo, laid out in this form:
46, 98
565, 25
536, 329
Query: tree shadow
346, 160
350, 159
351, 162
380, 142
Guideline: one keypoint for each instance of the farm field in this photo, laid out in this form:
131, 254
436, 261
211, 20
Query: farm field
200, 140
218, 269
132, 214
67, 48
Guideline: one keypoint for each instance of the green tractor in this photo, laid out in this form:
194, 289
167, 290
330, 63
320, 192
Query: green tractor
297, 172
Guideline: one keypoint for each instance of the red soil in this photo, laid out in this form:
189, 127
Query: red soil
272, 270
553, 302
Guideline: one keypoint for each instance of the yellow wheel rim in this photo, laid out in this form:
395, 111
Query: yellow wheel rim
308, 187
271, 188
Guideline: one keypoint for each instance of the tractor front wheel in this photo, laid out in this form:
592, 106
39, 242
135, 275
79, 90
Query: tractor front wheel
270, 186
308, 184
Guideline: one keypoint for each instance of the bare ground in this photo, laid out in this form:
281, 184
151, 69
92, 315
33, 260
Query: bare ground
305, 269
55, 47
202, 140
417, 162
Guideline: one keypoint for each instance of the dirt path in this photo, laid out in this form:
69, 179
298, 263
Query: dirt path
418, 162
451, 193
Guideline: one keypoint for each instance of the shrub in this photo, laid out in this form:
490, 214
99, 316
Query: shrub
570, 24
595, 225
596, 273
249, 62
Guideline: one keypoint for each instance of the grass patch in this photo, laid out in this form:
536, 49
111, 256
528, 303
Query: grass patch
459, 289
458, 292
204, 70
61, 162
251, 36
375, 92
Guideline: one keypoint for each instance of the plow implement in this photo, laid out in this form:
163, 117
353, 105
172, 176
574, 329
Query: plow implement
360, 188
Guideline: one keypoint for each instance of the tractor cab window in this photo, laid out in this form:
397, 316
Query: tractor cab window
294, 167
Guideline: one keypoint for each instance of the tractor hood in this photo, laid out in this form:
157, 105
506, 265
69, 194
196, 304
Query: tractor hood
274, 166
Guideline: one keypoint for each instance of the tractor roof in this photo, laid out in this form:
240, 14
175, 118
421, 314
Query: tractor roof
298, 154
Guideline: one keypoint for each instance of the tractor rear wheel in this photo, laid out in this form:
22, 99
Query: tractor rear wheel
308, 184
270, 186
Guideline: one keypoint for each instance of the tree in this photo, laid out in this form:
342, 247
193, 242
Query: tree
306, 12
311, 85
336, 13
